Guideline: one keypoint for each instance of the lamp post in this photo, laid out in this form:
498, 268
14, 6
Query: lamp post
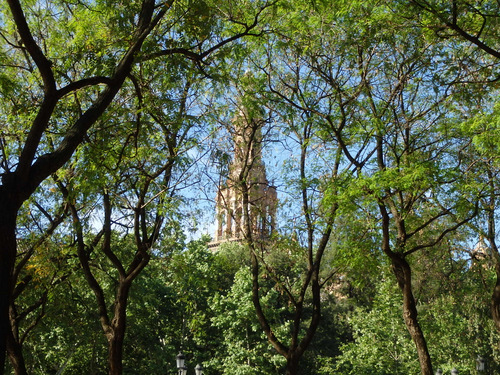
481, 365
180, 360
182, 368
198, 370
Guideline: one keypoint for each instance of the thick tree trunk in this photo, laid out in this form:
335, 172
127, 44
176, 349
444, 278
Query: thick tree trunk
15, 354
115, 353
118, 328
8, 248
14, 345
292, 365
6, 266
402, 271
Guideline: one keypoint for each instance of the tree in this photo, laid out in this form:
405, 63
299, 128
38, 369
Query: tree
245, 349
137, 183
452, 310
316, 168
392, 109
54, 77
472, 26
24, 173
313, 109
381, 343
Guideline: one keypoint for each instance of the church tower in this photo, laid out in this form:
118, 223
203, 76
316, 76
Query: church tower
246, 167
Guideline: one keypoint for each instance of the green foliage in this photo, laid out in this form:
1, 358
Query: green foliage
381, 345
455, 322
244, 350
388, 103
483, 129
57, 341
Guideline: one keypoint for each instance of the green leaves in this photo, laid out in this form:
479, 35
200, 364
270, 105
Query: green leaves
245, 348
484, 130
366, 104
381, 343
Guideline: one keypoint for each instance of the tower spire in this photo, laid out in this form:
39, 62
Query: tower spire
246, 165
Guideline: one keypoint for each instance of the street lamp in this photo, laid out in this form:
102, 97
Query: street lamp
181, 359
198, 369
182, 368
481, 364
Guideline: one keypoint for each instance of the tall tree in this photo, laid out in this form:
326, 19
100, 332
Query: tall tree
48, 78
416, 161
313, 168
390, 105
473, 26
312, 112
24, 172
137, 184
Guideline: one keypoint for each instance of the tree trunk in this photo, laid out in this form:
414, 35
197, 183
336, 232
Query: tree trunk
115, 353
8, 215
118, 328
15, 353
402, 270
14, 345
292, 364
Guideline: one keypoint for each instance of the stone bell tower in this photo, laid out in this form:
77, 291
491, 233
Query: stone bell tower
246, 167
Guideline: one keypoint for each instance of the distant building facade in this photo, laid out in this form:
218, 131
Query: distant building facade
247, 167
